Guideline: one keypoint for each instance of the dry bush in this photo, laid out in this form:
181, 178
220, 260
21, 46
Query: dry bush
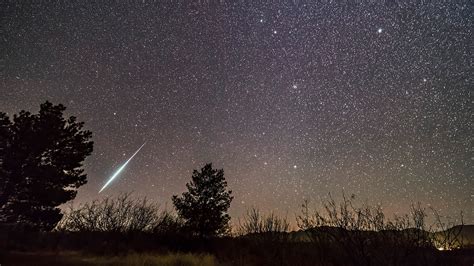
365, 236
167, 223
267, 227
123, 214
448, 232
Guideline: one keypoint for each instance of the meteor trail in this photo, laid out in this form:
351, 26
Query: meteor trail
120, 169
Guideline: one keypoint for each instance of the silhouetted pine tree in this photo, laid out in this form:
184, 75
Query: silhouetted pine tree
204, 206
41, 159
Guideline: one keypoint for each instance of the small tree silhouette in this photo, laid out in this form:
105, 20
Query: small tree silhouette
204, 206
41, 159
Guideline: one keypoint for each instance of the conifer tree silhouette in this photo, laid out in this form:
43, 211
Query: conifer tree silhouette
41, 158
204, 206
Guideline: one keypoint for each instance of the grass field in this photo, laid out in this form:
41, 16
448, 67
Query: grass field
135, 259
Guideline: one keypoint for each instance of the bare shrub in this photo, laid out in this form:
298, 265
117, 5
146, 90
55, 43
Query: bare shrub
366, 236
270, 227
167, 223
447, 232
359, 231
343, 226
122, 214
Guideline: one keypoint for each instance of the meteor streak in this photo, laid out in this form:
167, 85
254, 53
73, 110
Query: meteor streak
121, 169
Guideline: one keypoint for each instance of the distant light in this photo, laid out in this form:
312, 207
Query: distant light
380, 30
294, 166
275, 32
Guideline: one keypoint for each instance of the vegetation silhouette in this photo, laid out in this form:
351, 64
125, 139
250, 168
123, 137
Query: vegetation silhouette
261, 227
122, 214
121, 230
41, 167
204, 206
41, 158
363, 235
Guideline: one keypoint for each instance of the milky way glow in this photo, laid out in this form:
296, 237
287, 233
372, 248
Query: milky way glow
371, 99
120, 169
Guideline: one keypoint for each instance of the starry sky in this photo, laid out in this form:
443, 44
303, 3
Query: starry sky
293, 99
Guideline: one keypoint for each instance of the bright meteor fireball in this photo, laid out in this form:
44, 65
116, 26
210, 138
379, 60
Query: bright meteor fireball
120, 169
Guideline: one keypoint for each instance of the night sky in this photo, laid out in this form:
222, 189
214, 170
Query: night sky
292, 99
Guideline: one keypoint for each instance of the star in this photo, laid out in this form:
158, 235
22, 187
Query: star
276, 95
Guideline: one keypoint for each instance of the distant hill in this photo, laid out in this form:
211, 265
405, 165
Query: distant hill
465, 234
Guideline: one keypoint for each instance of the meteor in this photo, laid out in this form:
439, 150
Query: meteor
120, 169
